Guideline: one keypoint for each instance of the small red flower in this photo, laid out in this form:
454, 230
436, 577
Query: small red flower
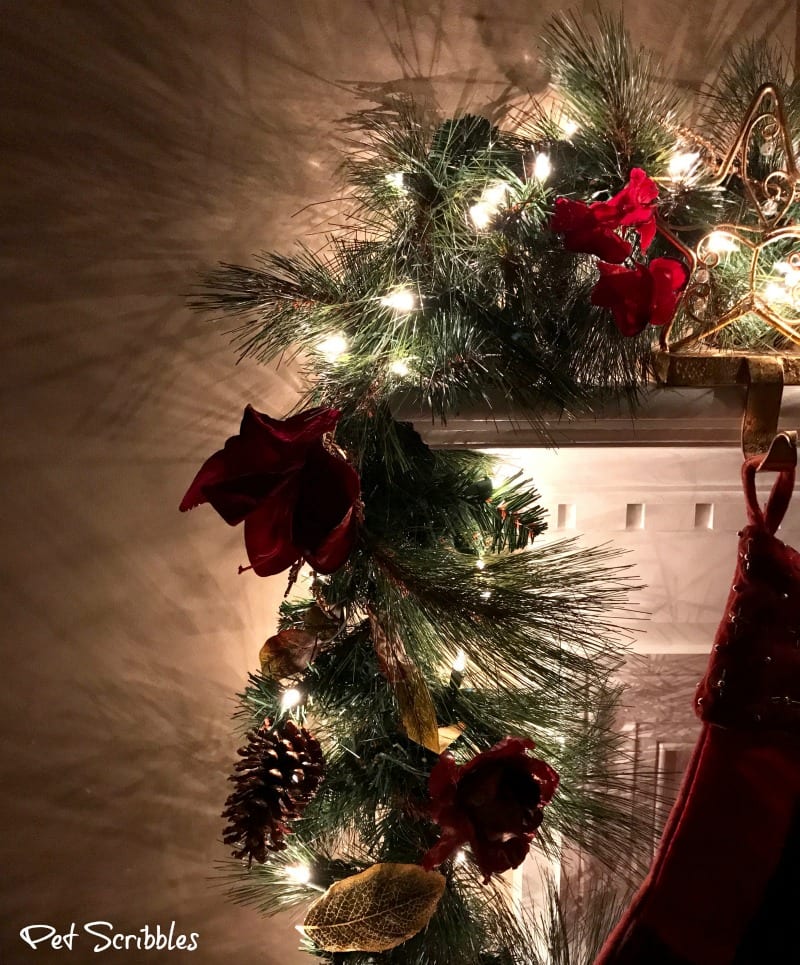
640, 296
583, 232
633, 207
494, 803
297, 500
591, 228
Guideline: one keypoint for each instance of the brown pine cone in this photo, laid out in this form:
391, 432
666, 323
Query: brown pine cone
279, 773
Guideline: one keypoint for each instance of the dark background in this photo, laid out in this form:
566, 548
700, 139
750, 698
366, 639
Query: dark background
142, 140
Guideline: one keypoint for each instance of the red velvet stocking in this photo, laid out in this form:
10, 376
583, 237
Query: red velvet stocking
728, 860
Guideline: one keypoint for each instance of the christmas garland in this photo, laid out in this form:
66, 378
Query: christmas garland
522, 268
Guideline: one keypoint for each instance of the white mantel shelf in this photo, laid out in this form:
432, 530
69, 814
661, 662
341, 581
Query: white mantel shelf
709, 417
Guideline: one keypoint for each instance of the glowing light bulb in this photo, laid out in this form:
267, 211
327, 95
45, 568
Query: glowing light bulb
488, 205
396, 179
495, 194
333, 346
401, 300
399, 368
300, 873
720, 242
460, 663
481, 215
459, 858
542, 168
776, 293
791, 274
480, 565
291, 698
568, 126
681, 164
787, 288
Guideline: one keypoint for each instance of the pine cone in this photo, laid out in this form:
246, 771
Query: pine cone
278, 775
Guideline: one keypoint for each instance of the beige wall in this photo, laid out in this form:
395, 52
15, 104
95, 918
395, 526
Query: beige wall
141, 140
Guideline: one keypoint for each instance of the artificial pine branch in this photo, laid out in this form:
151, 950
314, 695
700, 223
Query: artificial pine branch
570, 937
541, 614
615, 93
487, 326
499, 316
745, 69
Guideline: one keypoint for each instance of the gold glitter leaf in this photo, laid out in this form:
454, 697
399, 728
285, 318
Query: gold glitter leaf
375, 910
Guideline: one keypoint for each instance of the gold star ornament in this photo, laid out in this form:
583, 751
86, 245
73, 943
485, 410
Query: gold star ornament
761, 252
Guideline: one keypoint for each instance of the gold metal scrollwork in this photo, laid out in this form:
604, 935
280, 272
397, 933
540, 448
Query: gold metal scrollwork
776, 302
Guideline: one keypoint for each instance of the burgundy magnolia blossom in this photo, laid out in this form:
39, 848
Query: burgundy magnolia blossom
494, 803
640, 296
297, 500
591, 228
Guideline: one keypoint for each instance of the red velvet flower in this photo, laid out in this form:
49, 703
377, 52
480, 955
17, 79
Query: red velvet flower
640, 296
494, 803
297, 499
583, 232
633, 207
591, 228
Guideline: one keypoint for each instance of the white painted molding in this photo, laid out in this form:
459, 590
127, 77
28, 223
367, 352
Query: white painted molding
682, 417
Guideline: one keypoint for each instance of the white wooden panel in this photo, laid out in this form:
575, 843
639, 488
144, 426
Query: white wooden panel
686, 570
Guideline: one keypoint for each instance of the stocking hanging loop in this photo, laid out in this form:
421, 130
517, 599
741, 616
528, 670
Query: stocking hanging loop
779, 498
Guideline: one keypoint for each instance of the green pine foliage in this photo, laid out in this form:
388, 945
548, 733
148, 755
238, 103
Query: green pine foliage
572, 938
502, 317
501, 314
440, 304
617, 96
744, 71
